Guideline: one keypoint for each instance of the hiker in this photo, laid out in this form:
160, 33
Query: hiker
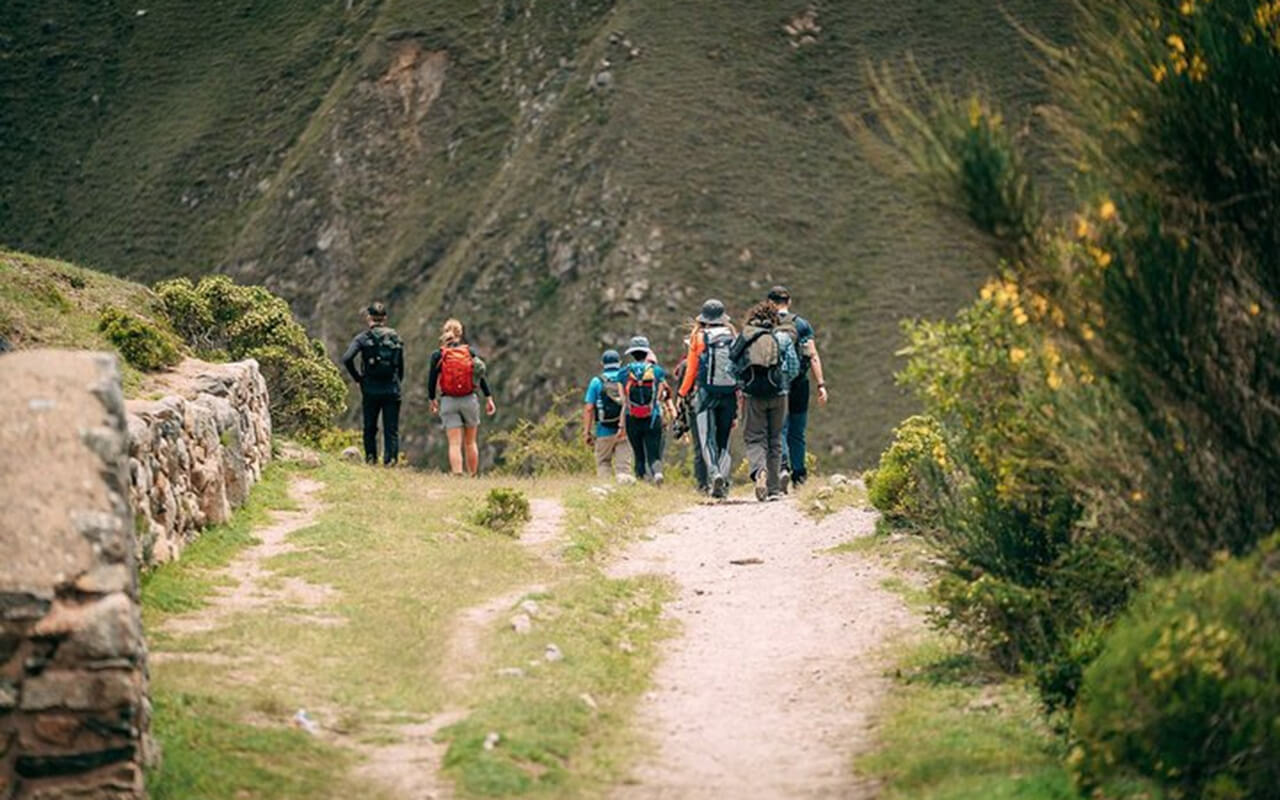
711, 385
765, 360
456, 374
684, 421
381, 353
794, 448
602, 419
643, 387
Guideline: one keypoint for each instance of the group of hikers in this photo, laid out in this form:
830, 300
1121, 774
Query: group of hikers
762, 375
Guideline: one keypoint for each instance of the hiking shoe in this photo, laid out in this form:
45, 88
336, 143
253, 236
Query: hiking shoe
775, 497
762, 486
657, 479
719, 488
784, 482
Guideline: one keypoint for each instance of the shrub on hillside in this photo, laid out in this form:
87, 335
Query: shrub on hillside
1186, 691
551, 446
899, 485
141, 342
218, 316
503, 511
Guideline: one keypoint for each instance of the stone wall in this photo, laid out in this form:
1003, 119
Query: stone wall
194, 454
74, 712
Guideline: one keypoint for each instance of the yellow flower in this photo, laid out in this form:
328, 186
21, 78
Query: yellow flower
1107, 211
1137, 496
1019, 316
1175, 41
1254, 309
1199, 68
1082, 227
1187, 8
988, 290
1017, 355
975, 112
1160, 73
1054, 381
1087, 332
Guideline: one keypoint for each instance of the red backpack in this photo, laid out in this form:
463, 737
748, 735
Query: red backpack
641, 391
457, 371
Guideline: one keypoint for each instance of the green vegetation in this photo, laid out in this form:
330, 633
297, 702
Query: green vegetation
445, 154
143, 344
220, 319
1107, 407
551, 446
895, 485
504, 510
1198, 653
956, 729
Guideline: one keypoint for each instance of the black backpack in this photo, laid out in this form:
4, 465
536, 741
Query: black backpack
609, 405
381, 354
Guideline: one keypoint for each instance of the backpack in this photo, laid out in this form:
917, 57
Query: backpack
642, 391
760, 361
609, 404
715, 368
457, 371
381, 354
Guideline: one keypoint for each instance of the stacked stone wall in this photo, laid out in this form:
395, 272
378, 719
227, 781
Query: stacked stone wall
74, 713
195, 453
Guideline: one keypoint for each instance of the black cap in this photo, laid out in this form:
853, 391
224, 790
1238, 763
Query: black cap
377, 310
712, 313
779, 294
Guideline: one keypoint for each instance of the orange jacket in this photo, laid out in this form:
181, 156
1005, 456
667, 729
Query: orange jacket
697, 343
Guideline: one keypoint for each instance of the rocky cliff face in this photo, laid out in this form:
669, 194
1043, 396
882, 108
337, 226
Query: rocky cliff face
561, 175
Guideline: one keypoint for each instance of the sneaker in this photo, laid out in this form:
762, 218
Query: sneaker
784, 482
776, 496
762, 486
657, 479
719, 488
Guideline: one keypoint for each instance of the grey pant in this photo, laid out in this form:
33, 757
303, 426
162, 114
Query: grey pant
763, 435
613, 456
460, 412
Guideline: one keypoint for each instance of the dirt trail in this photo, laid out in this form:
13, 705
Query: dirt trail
254, 587
771, 687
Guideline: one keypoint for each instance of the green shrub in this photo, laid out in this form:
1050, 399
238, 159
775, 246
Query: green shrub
216, 315
1186, 691
551, 446
335, 440
141, 342
503, 511
897, 486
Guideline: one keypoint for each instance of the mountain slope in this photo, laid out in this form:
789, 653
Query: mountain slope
558, 174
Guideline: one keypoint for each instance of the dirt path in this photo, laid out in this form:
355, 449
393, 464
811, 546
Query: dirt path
252, 586
770, 688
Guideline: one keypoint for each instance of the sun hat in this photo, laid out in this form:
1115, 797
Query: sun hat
712, 313
639, 344
610, 357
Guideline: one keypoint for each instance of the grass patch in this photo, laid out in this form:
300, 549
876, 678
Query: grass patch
820, 499
185, 584
210, 754
954, 729
563, 725
597, 522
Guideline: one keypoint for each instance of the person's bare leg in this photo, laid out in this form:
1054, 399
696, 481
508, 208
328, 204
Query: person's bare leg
473, 450
455, 450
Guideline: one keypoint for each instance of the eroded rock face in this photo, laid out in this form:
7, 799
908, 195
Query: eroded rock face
194, 454
74, 713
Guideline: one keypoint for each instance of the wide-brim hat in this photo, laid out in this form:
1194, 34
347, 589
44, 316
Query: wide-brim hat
639, 344
712, 313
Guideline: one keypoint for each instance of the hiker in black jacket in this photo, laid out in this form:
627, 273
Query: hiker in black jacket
381, 372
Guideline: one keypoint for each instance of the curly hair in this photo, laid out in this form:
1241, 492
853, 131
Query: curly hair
764, 315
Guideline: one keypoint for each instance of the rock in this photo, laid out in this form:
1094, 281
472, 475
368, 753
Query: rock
521, 624
8, 696
626, 646
602, 80
626, 480
839, 480
529, 607
601, 491
589, 701
310, 460
553, 654
491, 740
352, 454
511, 672
103, 630
826, 493
636, 291
80, 691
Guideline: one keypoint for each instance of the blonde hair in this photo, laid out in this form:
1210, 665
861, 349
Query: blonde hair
451, 332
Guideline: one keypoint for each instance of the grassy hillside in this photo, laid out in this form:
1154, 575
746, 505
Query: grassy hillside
560, 175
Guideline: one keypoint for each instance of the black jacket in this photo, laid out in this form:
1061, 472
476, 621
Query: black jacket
368, 385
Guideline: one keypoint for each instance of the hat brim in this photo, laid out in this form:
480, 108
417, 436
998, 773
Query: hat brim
633, 350
713, 320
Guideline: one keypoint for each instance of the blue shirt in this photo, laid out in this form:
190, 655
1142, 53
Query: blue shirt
592, 398
806, 334
637, 369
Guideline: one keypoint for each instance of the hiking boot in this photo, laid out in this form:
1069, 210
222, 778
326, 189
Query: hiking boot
719, 488
762, 486
784, 482
657, 479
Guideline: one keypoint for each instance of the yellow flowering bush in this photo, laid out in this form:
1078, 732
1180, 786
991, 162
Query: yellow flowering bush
898, 486
1186, 692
